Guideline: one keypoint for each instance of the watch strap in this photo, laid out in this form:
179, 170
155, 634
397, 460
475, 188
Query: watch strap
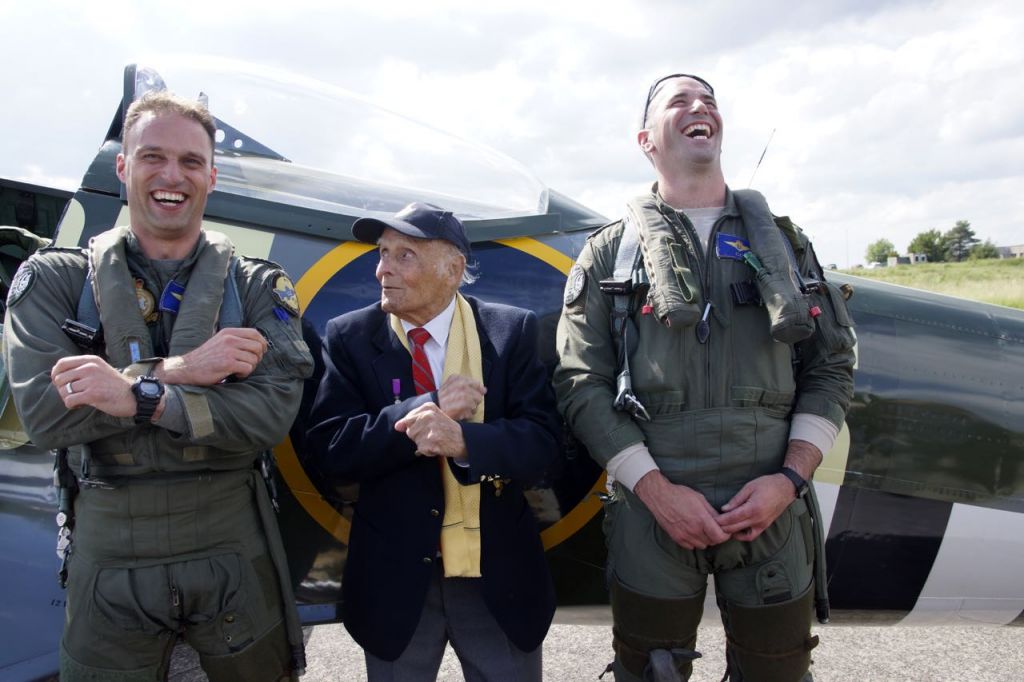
145, 406
798, 481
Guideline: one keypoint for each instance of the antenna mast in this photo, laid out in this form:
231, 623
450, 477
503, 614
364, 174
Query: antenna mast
763, 152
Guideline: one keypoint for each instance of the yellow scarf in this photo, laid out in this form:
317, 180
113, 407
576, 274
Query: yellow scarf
460, 530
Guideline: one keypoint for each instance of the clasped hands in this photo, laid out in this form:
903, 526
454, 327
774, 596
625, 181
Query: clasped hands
435, 428
691, 521
90, 381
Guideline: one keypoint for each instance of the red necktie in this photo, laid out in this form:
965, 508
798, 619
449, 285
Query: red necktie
422, 377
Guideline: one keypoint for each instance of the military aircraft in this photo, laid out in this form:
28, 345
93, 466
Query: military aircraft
922, 498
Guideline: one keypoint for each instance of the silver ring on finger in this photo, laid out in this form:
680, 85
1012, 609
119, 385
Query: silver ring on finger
69, 388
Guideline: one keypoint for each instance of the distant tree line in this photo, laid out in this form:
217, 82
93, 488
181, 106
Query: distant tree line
957, 244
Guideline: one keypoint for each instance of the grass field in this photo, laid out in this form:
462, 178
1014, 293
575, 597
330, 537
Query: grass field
999, 281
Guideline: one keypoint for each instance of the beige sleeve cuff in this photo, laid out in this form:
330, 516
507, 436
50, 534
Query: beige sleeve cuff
630, 465
173, 417
818, 431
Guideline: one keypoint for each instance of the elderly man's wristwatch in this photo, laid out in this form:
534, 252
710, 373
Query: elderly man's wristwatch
148, 390
796, 479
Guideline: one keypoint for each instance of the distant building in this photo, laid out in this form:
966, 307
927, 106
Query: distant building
909, 259
1016, 251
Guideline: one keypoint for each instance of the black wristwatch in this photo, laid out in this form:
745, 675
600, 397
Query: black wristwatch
148, 391
796, 479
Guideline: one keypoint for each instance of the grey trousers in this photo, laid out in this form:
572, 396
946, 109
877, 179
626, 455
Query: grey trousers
455, 612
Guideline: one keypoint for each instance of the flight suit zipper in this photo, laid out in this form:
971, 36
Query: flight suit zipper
707, 285
176, 601
700, 259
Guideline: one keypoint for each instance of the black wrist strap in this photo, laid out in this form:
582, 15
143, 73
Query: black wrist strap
796, 479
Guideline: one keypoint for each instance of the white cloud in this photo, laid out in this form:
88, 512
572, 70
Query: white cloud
35, 175
889, 118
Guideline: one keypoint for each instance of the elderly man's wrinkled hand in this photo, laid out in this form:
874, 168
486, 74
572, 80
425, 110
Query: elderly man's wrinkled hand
459, 396
434, 432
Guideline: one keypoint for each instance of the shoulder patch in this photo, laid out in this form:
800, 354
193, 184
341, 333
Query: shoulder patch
574, 284
23, 280
284, 292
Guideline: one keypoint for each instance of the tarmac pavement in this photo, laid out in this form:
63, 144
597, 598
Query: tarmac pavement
847, 653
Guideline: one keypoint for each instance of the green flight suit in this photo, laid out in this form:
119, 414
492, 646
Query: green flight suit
720, 417
171, 542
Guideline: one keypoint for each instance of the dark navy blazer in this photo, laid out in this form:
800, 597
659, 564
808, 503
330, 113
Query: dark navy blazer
397, 521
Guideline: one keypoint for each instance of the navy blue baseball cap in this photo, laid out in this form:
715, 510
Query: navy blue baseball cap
417, 220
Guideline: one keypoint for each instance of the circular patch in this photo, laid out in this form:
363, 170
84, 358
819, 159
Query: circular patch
574, 284
147, 302
284, 292
21, 283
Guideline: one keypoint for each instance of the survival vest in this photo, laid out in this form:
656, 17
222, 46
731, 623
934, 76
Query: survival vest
777, 282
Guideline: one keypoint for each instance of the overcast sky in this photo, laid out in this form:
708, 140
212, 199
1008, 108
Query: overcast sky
889, 118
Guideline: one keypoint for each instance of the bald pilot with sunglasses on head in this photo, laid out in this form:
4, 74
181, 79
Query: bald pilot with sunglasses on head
707, 365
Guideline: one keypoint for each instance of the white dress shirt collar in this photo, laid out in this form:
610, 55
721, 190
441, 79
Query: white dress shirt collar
437, 346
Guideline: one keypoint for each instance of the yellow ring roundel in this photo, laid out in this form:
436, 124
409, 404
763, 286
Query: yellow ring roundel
306, 493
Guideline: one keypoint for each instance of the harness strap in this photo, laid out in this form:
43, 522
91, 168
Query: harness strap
627, 262
88, 313
230, 308
628, 255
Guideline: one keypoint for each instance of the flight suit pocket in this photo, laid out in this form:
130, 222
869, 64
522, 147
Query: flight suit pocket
835, 324
246, 603
775, 403
133, 599
671, 434
226, 599
611, 502
287, 349
684, 275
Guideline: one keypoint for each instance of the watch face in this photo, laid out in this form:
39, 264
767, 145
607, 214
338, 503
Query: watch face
149, 389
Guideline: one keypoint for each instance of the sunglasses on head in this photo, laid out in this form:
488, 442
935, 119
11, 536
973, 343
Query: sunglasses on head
655, 84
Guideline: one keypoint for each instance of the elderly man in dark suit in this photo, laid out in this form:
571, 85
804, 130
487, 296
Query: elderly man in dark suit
438, 406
